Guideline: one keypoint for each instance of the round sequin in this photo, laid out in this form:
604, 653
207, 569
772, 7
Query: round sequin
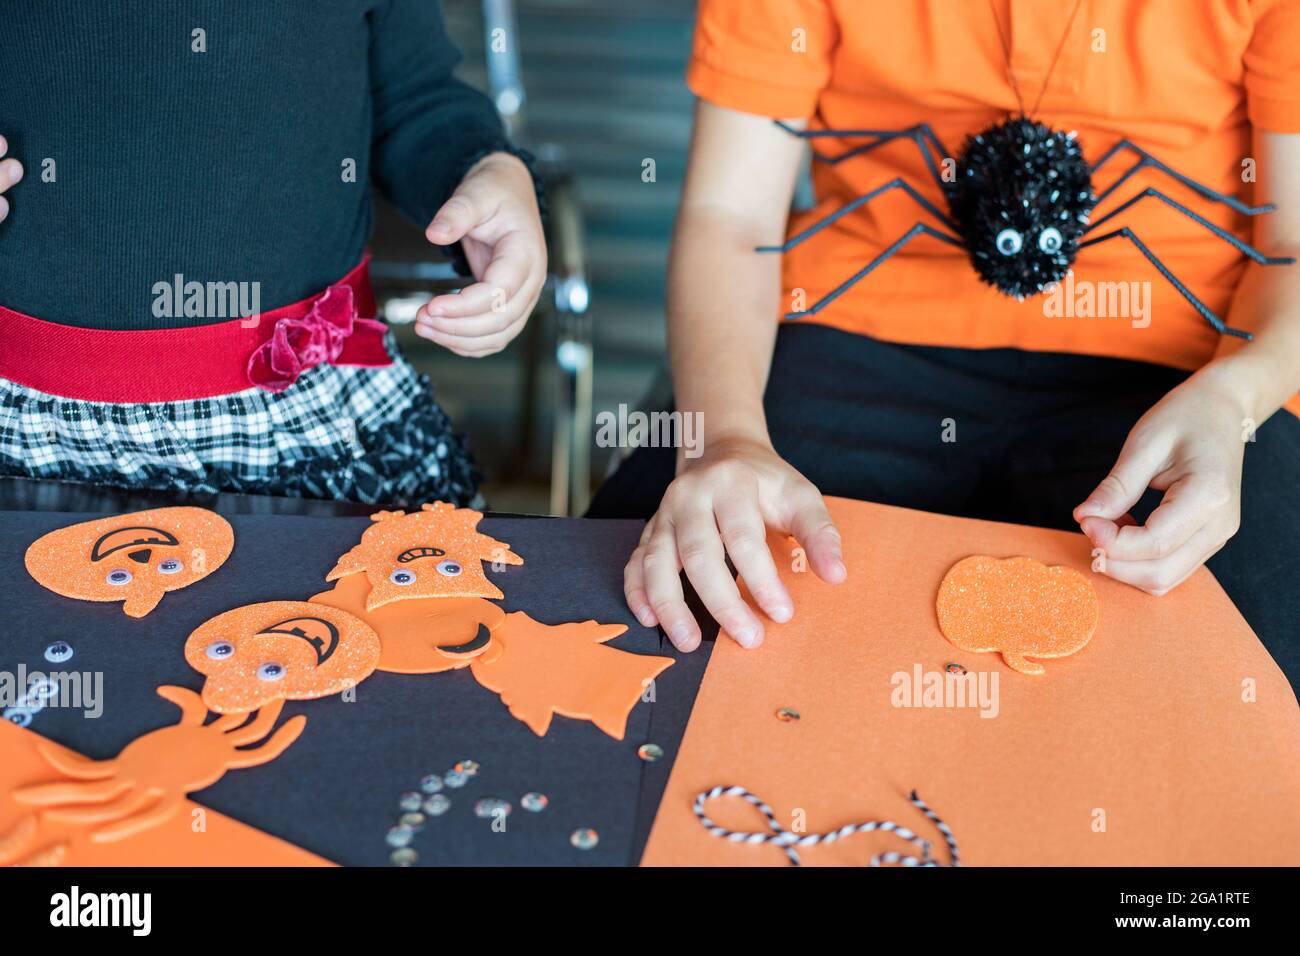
955, 668
650, 752
585, 838
492, 807
455, 778
413, 820
787, 714
437, 805
431, 783
399, 836
58, 652
22, 716
410, 800
404, 857
467, 767
534, 802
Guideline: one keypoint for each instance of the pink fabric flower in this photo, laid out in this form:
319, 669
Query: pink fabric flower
319, 336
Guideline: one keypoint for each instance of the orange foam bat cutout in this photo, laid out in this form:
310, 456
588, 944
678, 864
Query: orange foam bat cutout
419, 637
134, 558
434, 552
538, 669
1019, 607
144, 785
280, 650
542, 669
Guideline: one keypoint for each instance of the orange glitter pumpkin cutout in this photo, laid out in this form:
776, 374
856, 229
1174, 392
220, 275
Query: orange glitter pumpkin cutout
425, 636
255, 655
434, 552
1018, 607
134, 558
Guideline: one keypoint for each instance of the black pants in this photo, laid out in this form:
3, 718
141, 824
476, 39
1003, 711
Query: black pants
1034, 434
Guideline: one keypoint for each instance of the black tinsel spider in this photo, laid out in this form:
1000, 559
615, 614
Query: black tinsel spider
1020, 206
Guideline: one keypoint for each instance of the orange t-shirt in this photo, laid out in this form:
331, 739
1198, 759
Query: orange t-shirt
1183, 79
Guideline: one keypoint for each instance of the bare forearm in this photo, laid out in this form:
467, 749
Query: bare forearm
723, 300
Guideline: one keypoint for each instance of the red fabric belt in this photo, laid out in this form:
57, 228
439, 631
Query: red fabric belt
268, 350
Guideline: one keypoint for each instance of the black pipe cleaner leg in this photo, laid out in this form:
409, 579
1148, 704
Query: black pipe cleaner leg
866, 270
1146, 160
858, 203
1126, 233
1236, 243
921, 135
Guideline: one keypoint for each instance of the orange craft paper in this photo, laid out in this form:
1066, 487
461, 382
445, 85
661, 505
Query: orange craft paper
134, 558
280, 650
1016, 606
1171, 739
434, 552
189, 835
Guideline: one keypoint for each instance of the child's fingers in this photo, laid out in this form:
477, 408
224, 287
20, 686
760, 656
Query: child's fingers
1187, 506
1162, 575
457, 216
472, 347
663, 585
813, 528
11, 171
705, 561
4, 208
1138, 463
745, 537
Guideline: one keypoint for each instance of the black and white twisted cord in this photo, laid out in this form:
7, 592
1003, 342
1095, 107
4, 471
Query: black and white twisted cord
790, 841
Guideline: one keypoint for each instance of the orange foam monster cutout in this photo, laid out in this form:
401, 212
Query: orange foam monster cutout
280, 650
144, 785
1019, 607
434, 552
133, 558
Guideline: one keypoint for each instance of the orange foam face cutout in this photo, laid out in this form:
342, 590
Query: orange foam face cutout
1018, 607
280, 650
434, 552
133, 558
420, 637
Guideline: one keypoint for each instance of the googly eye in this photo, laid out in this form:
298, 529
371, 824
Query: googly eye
448, 569
170, 566
118, 577
58, 652
402, 577
220, 650
1050, 241
271, 671
1008, 242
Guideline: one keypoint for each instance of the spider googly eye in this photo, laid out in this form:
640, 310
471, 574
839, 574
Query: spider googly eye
220, 650
271, 671
1050, 241
170, 566
448, 569
118, 578
402, 577
1008, 242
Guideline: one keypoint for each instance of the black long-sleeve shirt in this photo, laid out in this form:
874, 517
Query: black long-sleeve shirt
222, 155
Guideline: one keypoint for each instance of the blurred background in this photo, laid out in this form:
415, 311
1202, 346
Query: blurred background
596, 89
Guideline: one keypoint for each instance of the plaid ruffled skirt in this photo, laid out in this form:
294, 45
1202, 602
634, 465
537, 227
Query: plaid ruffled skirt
373, 435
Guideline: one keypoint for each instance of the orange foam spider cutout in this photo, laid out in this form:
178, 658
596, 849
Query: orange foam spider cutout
1018, 607
434, 552
133, 558
280, 650
144, 785
539, 670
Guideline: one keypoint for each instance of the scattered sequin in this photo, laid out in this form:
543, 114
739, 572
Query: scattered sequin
414, 820
399, 835
431, 783
585, 838
455, 778
955, 668
787, 714
58, 652
404, 857
650, 752
410, 800
467, 767
534, 802
437, 805
492, 807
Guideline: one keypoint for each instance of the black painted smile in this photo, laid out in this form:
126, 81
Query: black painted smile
133, 537
414, 554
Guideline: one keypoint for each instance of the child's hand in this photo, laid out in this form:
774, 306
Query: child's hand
493, 214
10, 172
1190, 446
721, 506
